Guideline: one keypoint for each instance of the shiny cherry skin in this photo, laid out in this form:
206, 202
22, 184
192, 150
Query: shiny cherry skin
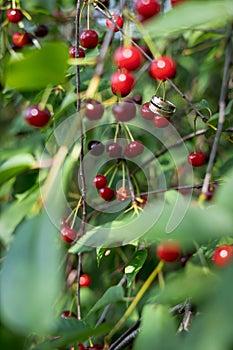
122, 83
114, 150
117, 19
21, 39
14, 15
124, 111
37, 117
89, 39
196, 159
72, 52
106, 193
147, 8
99, 181
41, 31
68, 314
96, 147
163, 68
222, 255
67, 234
146, 112
134, 149
81, 347
169, 251
95, 347
128, 57
85, 280
94, 109
160, 121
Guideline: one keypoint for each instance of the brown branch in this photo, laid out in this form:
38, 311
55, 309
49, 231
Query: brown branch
222, 105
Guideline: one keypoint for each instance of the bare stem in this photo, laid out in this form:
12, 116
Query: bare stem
222, 104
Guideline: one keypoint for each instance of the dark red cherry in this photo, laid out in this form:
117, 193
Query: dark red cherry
14, 15
80, 346
196, 159
146, 112
137, 98
37, 117
96, 147
124, 111
169, 251
67, 234
21, 39
141, 201
106, 193
95, 347
41, 31
160, 121
117, 19
72, 52
89, 39
99, 181
134, 149
68, 314
114, 150
122, 83
94, 110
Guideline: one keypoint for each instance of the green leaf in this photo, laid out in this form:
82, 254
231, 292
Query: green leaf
135, 265
157, 329
37, 68
73, 331
190, 14
31, 279
112, 295
16, 165
225, 193
14, 214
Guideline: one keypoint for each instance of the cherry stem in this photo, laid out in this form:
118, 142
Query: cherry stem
113, 175
131, 189
109, 170
135, 302
164, 89
88, 15
128, 132
158, 87
195, 134
136, 184
116, 132
123, 174
45, 97
13, 4
76, 212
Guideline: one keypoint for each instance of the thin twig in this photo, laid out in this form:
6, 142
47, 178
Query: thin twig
81, 169
222, 104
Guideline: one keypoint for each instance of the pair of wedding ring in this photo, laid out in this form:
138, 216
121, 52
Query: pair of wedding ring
162, 107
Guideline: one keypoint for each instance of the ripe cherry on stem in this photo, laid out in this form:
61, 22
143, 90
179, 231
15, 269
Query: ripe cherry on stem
222, 255
94, 110
128, 57
14, 15
169, 251
147, 8
36, 116
134, 149
163, 68
124, 111
89, 39
196, 159
106, 193
85, 280
99, 181
21, 39
146, 112
117, 19
122, 83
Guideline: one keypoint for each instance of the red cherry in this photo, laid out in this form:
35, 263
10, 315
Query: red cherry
163, 68
176, 2
222, 255
128, 57
81, 347
146, 112
96, 147
147, 8
169, 251
41, 31
160, 121
122, 194
67, 234
124, 111
85, 280
133, 149
72, 52
122, 83
89, 39
196, 159
99, 181
21, 39
106, 193
114, 150
117, 19
14, 15
37, 117
137, 98
94, 110
68, 314
95, 347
